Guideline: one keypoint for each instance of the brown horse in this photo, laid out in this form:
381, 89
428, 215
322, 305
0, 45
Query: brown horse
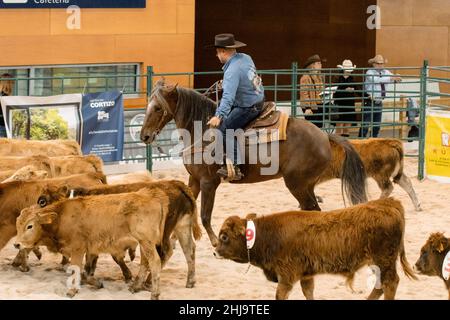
302, 157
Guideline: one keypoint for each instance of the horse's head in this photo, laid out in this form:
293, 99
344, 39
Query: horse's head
160, 110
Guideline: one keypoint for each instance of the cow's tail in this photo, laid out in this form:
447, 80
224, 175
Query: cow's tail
397, 145
404, 262
353, 173
196, 230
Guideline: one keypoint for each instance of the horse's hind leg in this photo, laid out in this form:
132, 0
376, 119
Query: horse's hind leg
304, 195
208, 189
405, 183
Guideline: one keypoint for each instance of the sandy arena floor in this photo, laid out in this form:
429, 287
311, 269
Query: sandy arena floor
221, 279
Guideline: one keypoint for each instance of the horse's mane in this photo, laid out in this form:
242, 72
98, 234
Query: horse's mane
193, 106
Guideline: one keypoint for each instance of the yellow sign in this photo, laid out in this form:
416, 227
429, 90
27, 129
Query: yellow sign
437, 146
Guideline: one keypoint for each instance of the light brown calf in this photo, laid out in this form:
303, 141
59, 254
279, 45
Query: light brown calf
95, 224
383, 161
17, 195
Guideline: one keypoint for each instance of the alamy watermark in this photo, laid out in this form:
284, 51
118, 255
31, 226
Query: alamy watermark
374, 20
73, 22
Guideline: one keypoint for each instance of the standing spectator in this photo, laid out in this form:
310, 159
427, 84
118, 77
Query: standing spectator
375, 84
344, 97
311, 88
6, 89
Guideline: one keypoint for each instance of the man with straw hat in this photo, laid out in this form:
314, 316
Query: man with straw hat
375, 86
242, 98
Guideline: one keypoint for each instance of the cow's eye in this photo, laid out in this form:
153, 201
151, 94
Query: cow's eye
42, 202
223, 237
29, 227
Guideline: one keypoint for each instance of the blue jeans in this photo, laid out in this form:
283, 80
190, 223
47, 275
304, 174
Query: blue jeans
238, 118
371, 114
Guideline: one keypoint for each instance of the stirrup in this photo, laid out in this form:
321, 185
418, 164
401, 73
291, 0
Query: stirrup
230, 171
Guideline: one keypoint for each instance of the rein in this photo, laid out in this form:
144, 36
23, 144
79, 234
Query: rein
217, 88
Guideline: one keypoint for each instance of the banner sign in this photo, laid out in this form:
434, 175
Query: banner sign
103, 125
95, 121
53, 4
437, 145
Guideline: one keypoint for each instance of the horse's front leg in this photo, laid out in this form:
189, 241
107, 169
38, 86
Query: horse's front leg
208, 189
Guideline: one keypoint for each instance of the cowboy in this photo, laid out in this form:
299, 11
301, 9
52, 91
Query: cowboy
375, 84
311, 88
242, 98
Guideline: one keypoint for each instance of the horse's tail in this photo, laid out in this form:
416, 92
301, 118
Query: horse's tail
353, 174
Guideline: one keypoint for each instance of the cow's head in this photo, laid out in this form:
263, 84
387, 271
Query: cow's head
232, 244
29, 226
432, 255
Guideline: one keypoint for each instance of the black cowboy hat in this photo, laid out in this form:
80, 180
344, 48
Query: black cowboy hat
226, 40
312, 59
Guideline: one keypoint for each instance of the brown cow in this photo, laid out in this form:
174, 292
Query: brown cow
24, 174
55, 166
39, 162
296, 246
94, 224
383, 161
17, 195
51, 148
432, 257
178, 194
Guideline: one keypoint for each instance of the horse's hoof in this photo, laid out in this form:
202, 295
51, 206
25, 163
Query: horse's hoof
190, 284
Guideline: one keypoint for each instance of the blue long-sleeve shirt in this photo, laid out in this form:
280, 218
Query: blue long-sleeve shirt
241, 87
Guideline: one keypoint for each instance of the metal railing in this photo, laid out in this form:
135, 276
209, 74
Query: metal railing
285, 88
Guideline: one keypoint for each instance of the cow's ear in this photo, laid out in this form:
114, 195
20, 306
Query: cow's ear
47, 217
442, 245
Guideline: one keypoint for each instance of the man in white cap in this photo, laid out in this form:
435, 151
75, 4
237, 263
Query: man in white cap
242, 99
375, 85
